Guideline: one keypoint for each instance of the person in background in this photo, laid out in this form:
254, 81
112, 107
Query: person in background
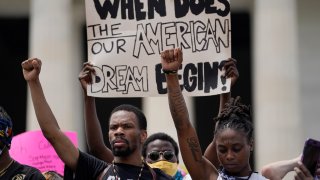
9, 168
161, 151
127, 132
233, 133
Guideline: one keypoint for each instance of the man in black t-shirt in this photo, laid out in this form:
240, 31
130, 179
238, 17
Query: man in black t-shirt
127, 132
9, 168
89, 166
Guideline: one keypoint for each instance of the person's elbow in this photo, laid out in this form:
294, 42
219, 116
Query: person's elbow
269, 173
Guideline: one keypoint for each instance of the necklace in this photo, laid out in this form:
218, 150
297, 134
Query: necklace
116, 174
4, 170
225, 176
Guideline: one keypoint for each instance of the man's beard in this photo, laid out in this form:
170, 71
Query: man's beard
122, 152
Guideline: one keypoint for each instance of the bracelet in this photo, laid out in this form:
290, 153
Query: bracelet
169, 71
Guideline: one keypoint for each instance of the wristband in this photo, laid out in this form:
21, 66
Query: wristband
169, 71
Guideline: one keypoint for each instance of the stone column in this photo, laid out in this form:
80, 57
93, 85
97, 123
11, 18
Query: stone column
159, 118
309, 43
54, 38
276, 81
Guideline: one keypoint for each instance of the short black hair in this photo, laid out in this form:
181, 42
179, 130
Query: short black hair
237, 116
160, 136
139, 114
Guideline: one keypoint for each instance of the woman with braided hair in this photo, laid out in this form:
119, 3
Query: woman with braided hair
233, 140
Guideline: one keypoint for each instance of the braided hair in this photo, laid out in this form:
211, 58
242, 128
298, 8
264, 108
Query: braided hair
236, 116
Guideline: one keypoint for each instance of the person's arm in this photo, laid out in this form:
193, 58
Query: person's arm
93, 130
197, 165
277, 170
231, 71
67, 152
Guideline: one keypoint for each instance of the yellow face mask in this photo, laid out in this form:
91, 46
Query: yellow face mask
166, 166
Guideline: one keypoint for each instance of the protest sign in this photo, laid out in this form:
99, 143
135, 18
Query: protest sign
33, 149
125, 39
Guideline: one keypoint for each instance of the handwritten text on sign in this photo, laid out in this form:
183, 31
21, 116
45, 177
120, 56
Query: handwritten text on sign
125, 39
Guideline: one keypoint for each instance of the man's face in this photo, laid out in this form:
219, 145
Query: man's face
158, 150
124, 133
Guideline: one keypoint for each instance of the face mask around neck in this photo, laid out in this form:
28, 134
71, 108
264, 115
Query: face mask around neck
167, 167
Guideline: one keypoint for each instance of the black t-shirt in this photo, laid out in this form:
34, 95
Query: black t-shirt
90, 167
17, 171
129, 172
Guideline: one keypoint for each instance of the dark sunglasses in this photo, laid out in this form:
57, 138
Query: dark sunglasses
155, 155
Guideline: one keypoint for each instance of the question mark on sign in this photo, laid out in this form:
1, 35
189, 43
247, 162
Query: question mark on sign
223, 77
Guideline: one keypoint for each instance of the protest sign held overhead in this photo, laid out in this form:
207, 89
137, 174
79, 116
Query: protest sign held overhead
125, 39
